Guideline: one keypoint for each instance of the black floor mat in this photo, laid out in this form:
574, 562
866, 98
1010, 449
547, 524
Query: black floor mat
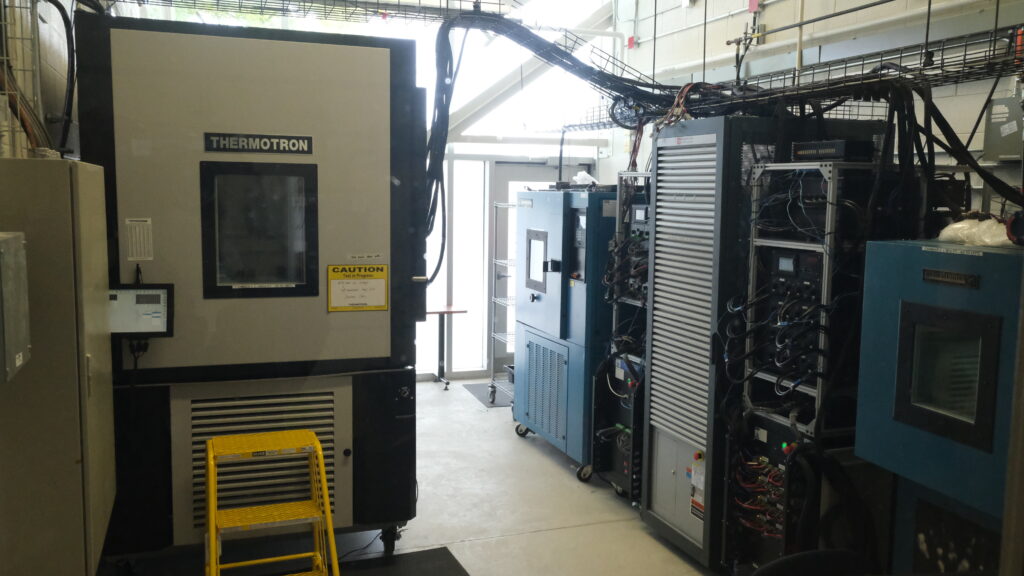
482, 393
436, 562
188, 561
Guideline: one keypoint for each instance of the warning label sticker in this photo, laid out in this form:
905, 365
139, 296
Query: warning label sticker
697, 477
352, 288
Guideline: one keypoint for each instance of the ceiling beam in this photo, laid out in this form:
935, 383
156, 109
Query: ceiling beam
501, 91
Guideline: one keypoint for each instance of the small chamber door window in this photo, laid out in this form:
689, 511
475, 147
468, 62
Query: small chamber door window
259, 230
536, 255
947, 372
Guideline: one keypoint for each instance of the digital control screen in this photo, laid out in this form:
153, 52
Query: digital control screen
787, 264
148, 298
141, 310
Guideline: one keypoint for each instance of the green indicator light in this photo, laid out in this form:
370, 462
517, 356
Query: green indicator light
784, 445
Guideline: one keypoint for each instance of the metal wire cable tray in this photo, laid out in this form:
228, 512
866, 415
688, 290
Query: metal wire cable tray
344, 10
971, 57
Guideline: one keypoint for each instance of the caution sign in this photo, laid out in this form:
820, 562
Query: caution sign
697, 476
353, 288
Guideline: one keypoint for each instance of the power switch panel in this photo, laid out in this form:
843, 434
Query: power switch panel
15, 344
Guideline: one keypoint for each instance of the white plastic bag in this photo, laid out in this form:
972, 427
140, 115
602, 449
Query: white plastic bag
583, 179
989, 232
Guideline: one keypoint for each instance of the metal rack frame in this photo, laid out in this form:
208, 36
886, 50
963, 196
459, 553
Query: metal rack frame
830, 172
620, 234
500, 380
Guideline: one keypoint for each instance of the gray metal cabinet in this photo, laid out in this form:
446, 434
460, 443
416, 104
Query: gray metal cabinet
678, 485
56, 415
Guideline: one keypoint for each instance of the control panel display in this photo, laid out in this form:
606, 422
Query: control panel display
142, 310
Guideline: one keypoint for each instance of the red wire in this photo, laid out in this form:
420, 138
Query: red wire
748, 505
753, 487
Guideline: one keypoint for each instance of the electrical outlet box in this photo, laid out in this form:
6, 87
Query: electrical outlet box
15, 345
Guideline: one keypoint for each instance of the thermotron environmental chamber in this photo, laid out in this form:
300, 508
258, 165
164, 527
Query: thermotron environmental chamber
275, 179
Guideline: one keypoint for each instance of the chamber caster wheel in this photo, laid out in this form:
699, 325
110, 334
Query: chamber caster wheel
389, 536
619, 490
583, 473
492, 395
522, 431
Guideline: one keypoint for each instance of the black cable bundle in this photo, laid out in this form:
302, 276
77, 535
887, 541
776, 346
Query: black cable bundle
444, 87
649, 97
69, 86
898, 206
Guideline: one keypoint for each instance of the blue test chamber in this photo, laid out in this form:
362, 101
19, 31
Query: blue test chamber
562, 321
939, 349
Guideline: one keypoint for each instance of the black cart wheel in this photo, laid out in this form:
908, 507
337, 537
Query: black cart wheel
492, 394
389, 536
583, 473
522, 431
619, 490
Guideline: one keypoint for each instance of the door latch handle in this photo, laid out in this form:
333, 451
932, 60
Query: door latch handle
88, 375
534, 297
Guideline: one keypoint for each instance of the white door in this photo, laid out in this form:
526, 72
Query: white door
479, 234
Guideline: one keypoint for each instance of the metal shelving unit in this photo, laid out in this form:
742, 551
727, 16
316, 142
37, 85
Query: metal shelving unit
832, 174
502, 306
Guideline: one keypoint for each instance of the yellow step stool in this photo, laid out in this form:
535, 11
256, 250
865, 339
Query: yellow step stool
316, 511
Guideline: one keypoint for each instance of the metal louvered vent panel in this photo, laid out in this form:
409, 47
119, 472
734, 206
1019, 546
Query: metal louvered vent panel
263, 481
684, 220
546, 380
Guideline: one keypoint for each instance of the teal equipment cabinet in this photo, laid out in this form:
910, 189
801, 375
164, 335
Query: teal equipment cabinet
938, 362
563, 323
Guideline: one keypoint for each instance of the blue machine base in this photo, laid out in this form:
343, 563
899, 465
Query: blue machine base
553, 394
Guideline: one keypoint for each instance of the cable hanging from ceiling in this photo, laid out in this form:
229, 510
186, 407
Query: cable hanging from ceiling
637, 99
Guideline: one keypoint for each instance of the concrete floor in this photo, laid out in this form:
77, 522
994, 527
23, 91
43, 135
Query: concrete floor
509, 505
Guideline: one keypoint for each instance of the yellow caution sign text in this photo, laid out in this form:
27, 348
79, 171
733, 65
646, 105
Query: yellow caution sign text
352, 288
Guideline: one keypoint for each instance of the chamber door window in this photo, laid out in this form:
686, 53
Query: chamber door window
536, 255
259, 230
947, 371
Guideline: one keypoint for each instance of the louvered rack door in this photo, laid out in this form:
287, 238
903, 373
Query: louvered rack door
683, 279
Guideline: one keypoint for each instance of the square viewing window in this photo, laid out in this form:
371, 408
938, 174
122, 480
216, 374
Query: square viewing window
259, 230
536, 254
947, 371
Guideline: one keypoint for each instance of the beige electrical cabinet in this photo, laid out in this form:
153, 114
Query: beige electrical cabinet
56, 415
